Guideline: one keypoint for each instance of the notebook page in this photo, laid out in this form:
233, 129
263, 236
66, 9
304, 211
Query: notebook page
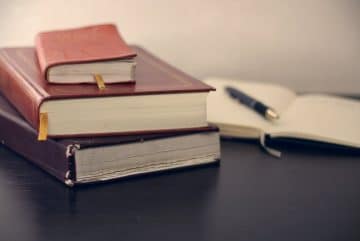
224, 110
323, 118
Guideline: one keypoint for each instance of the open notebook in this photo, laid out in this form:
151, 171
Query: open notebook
313, 117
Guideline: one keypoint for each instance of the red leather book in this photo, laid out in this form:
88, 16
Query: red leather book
162, 99
79, 46
93, 159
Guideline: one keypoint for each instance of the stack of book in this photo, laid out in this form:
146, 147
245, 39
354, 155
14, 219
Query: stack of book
86, 107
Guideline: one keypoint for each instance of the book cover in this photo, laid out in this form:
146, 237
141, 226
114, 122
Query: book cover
80, 45
58, 157
23, 84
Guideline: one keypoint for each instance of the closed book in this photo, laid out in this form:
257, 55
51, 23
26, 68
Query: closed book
76, 55
162, 99
87, 160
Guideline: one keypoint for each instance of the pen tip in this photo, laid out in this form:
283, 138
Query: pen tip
271, 114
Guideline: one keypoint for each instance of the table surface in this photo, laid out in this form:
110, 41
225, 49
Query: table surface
308, 194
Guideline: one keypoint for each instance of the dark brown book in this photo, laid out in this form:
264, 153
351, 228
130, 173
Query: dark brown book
162, 99
87, 160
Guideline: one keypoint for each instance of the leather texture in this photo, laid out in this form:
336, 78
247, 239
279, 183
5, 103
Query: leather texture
50, 155
19, 136
80, 45
22, 83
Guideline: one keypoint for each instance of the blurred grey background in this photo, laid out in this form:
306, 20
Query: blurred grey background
307, 45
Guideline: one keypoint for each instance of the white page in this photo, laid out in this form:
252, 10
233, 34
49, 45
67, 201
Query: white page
224, 110
322, 118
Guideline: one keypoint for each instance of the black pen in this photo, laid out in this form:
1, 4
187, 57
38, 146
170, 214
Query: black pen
266, 111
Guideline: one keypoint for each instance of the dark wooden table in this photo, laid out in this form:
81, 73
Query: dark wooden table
306, 195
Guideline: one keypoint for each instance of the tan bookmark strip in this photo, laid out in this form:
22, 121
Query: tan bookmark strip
99, 81
43, 127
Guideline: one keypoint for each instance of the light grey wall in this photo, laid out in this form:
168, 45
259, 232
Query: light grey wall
308, 45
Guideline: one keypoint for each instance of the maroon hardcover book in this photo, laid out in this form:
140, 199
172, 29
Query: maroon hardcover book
94, 159
23, 84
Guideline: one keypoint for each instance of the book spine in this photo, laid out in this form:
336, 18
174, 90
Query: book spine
49, 155
40, 54
18, 91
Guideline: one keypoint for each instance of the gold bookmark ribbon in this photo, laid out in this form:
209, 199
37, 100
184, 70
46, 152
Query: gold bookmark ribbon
43, 127
99, 81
